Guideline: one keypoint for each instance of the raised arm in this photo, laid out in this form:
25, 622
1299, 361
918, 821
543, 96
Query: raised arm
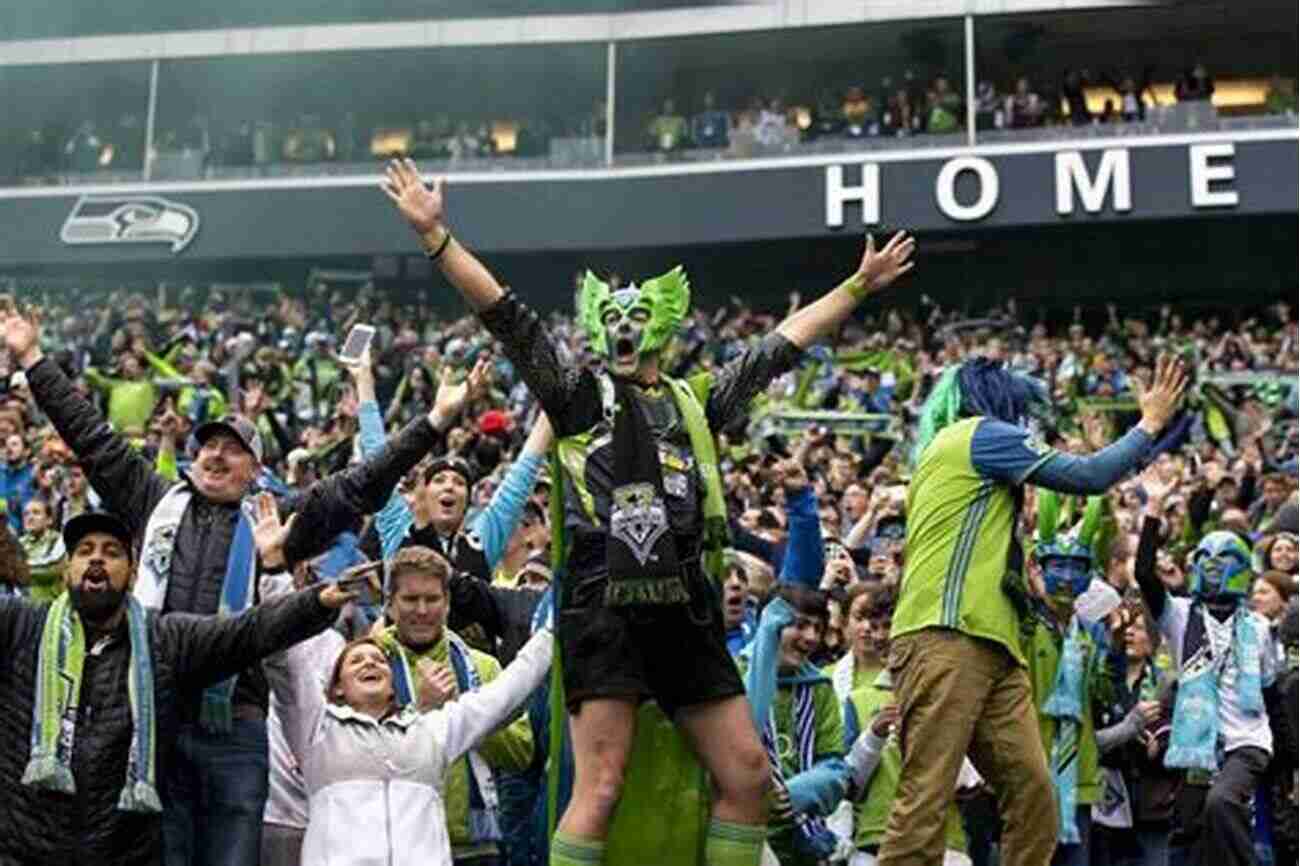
1144, 563
517, 327
474, 715
805, 552
392, 520
876, 271
739, 381
423, 208
120, 475
496, 523
1005, 452
332, 504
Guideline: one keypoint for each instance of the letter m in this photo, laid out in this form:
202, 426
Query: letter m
1112, 173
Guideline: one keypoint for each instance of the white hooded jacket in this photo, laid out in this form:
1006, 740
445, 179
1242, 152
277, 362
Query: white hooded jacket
375, 788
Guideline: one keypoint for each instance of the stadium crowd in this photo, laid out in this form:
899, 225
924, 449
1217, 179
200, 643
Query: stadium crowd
209, 396
907, 103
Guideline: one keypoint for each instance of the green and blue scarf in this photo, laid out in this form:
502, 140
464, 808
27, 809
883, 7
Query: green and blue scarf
1194, 743
58, 691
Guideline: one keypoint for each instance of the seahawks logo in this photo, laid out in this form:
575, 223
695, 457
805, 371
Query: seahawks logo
132, 219
638, 519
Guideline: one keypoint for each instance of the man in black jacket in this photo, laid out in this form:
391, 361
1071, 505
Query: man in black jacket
218, 783
188, 653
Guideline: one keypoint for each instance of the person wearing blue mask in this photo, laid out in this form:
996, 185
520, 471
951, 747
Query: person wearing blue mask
1073, 667
1223, 654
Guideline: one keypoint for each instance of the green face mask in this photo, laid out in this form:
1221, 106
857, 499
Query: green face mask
636, 319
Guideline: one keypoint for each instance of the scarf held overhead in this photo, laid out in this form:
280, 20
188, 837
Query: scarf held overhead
215, 715
58, 690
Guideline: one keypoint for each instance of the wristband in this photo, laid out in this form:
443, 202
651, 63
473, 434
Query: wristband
434, 255
856, 286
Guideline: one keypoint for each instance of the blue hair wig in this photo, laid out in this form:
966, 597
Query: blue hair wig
991, 390
979, 387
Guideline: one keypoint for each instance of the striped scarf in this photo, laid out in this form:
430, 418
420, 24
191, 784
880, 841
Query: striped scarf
215, 713
55, 710
812, 836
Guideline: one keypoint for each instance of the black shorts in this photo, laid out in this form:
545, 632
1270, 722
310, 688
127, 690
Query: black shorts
676, 654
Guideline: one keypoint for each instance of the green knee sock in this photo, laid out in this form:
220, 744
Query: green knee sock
730, 844
571, 851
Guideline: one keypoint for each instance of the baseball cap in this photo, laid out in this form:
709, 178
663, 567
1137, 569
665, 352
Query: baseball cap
239, 427
96, 521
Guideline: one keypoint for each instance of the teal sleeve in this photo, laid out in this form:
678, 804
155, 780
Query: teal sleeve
391, 521
761, 656
497, 522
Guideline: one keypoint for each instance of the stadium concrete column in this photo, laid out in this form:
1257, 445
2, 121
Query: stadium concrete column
150, 117
970, 79
611, 76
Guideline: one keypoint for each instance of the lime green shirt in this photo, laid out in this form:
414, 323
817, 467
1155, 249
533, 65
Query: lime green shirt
130, 402
1042, 649
959, 531
871, 815
507, 748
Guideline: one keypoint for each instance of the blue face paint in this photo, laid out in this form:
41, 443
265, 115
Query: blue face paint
1066, 575
1221, 566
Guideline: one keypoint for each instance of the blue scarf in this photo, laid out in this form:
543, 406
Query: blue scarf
484, 814
1194, 743
1065, 704
812, 836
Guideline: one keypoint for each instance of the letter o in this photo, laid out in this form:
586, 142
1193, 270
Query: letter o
945, 188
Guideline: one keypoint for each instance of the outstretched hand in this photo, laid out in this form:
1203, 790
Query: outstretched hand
269, 533
451, 398
879, 269
420, 205
22, 334
1160, 401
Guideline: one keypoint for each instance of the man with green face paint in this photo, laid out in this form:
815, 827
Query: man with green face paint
641, 528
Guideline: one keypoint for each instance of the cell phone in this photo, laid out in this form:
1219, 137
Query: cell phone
364, 581
357, 342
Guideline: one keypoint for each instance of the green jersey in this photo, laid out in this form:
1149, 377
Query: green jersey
871, 815
960, 523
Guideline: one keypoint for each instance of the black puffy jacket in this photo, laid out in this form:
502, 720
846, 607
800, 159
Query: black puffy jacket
189, 654
130, 489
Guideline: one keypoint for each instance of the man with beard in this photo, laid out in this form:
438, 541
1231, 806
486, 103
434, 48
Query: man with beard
198, 557
640, 535
101, 684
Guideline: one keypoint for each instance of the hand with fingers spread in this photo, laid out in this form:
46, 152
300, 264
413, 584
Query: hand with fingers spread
1157, 491
421, 205
880, 268
22, 333
451, 397
1160, 401
269, 533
